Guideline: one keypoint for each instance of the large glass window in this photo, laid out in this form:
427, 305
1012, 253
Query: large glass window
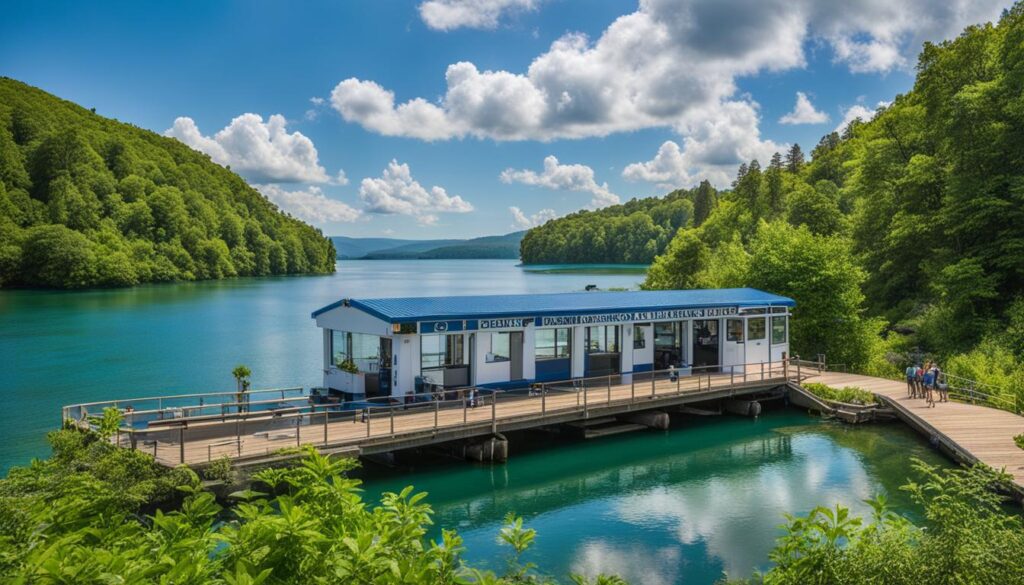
734, 330
361, 348
778, 330
756, 328
439, 351
499, 347
603, 339
639, 336
552, 344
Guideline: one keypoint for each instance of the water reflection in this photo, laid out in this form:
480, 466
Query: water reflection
684, 506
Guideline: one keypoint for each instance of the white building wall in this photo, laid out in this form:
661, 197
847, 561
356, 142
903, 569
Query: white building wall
530, 353
353, 320
646, 354
579, 354
406, 349
488, 372
626, 351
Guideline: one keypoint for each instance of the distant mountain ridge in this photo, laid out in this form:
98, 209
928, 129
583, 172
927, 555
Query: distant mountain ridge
488, 247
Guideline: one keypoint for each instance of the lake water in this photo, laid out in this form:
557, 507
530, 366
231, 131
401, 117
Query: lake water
68, 347
666, 508
657, 507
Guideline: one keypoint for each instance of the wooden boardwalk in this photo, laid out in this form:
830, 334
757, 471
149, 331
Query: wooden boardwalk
257, 436
971, 432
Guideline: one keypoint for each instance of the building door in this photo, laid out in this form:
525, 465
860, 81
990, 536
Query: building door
734, 349
705, 345
603, 351
515, 355
668, 345
384, 366
757, 342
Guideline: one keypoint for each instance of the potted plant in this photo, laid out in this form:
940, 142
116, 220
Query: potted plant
241, 374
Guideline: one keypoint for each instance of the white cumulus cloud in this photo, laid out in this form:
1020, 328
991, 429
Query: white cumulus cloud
660, 66
264, 152
396, 192
523, 221
716, 140
310, 204
804, 112
572, 177
452, 14
858, 112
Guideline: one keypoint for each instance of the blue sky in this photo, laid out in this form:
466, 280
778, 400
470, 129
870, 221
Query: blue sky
601, 86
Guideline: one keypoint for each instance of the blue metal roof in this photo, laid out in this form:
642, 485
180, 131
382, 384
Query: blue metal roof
399, 310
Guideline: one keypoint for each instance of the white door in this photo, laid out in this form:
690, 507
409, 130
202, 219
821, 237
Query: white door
757, 344
733, 346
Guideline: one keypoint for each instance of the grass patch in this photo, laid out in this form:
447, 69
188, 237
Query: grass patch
846, 395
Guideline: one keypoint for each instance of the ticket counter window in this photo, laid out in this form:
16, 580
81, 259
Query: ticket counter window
602, 350
756, 328
705, 344
442, 359
778, 330
552, 344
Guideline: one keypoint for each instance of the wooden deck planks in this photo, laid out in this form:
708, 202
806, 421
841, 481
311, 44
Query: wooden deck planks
422, 417
986, 434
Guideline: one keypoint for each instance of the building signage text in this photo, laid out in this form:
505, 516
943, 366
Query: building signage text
637, 316
517, 323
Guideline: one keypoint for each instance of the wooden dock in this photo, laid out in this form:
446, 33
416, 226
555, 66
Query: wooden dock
969, 432
254, 437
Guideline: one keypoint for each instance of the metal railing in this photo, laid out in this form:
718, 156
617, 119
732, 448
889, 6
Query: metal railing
239, 431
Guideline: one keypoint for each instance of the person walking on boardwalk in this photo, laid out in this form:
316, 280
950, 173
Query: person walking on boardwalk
940, 384
918, 382
928, 381
911, 380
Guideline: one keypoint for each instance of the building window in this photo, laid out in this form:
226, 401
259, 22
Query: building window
734, 330
362, 348
778, 330
440, 351
756, 329
603, 339
499, 347
639, 337
552, 344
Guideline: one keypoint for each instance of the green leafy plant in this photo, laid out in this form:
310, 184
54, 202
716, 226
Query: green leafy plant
347, 365
1019, 440
845, 395
219, 470
108, 424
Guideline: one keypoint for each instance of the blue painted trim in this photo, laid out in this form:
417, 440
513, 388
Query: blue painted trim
553, 370
513, 384
773, 301
638, 368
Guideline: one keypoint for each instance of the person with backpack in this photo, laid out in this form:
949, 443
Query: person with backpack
941, 385
928, 382
911, 380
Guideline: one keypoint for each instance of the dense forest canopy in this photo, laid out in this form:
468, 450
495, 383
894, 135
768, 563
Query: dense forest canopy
910, 225
88, 201
632, 233
912, 222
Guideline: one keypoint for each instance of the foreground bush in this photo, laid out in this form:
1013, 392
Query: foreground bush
969, 538
81, 518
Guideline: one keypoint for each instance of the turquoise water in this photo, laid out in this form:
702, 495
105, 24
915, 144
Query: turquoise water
665, 508
66, 347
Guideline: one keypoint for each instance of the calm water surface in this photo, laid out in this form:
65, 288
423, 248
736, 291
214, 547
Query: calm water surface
58, 348
662, 508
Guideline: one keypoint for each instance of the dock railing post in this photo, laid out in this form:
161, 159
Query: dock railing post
609, 388
632, 388
326, 417
732, 375
762, 371
437, 408
298, 430
464, 410
543, 399
391, 416
653, 380
785, 366
181, 441
799, 378
368, 415
585, 414
494, 412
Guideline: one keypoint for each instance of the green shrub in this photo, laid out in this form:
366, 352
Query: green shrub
846, 395
219, 470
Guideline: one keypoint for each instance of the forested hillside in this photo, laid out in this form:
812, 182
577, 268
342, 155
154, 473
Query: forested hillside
88, 201
911, 224
632, 233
